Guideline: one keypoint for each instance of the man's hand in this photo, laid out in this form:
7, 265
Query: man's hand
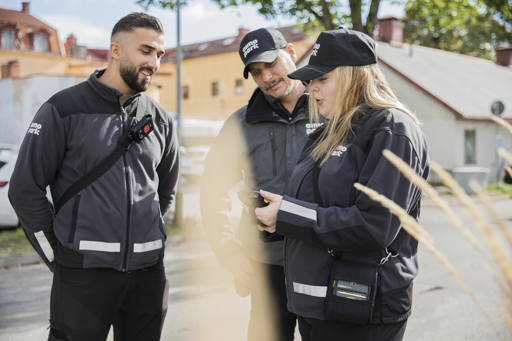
268, 214
241, 267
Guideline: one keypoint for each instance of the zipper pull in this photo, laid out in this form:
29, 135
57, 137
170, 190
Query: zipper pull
273, 139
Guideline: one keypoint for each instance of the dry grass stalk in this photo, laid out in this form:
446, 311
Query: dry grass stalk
416, 231
484, 198
413, 228
502, 123
504, 154
432, 194
490, 239
504, 289
505, 315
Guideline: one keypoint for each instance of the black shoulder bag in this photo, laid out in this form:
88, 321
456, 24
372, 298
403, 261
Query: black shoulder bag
352, 288
141, 127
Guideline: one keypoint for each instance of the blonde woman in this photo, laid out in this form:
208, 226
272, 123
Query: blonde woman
349, 268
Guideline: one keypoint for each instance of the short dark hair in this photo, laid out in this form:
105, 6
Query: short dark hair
137, 20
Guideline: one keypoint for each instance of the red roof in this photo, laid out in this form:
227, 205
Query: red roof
97, 55
15, 17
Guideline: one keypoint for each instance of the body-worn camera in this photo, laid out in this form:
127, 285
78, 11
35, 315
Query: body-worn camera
141, 129
252, 198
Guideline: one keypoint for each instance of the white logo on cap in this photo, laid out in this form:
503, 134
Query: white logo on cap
315, 49
252, 45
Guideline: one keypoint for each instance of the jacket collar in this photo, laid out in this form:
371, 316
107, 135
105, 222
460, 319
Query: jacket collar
105, 91
359, 119
265, 108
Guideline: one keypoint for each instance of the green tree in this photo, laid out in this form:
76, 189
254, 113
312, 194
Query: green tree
326, 14
463, 26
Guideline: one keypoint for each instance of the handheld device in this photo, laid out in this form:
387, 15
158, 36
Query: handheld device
252, 198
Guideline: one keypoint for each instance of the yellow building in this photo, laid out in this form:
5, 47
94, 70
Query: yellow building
28, 46
212, 81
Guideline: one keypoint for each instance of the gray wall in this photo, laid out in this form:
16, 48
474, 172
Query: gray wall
21, 98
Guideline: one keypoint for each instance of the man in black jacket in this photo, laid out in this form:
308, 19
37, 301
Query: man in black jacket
260, 144
106, 243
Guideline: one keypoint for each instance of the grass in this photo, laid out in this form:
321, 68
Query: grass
500, 188
14, 243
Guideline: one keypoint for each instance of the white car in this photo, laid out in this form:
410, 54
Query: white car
8, 218
192, 161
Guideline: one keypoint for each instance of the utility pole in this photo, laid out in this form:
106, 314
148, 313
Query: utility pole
178, 214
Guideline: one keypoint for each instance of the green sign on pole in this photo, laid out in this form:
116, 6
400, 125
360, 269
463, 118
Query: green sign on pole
497, 108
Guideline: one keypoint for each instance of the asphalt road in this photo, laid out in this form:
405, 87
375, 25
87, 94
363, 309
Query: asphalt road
203, 304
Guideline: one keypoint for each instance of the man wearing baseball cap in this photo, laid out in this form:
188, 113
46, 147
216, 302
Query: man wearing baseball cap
260, 144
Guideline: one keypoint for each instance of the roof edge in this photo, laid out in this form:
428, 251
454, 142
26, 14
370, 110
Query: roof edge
428, 93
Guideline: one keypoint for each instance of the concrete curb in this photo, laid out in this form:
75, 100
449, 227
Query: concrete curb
33, 258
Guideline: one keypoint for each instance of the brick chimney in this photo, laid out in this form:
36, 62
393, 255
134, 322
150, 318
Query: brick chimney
241, 33
504, 55
71, 40
391, 30
25, 7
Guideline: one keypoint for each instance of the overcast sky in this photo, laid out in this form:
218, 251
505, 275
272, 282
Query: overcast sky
91, 21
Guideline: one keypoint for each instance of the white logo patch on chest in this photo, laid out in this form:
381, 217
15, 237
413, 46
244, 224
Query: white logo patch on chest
339, 151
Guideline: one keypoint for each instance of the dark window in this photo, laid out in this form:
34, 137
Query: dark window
185, 92
469, 146
215, 88
239, 87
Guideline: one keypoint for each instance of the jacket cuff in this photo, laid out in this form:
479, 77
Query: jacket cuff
296, 219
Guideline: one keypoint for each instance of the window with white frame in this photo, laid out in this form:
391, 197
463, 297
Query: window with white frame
40, 42
469, 146
9, 39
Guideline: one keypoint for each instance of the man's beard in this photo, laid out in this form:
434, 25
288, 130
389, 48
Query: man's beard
285, 93
130, 75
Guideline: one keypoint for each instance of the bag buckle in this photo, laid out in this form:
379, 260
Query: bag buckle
388, 256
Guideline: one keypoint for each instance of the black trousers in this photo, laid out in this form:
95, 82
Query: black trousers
320, 330
85, 303
270, 319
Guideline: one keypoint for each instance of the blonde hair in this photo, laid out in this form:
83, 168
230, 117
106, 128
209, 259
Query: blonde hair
359, 85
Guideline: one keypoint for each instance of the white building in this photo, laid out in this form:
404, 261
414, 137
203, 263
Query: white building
452, 95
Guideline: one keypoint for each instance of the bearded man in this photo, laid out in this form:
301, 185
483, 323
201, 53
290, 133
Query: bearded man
110, 156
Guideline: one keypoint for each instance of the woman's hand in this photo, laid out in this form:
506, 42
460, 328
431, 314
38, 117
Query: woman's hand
268, 214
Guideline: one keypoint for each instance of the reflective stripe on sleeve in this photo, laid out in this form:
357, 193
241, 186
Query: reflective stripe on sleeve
310, 290
149, 246
99, 246
45, 245
302, 211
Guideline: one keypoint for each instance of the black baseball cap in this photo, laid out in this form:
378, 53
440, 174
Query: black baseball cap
261, 46
335, 48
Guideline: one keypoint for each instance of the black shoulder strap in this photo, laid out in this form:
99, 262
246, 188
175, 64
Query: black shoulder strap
123, 144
